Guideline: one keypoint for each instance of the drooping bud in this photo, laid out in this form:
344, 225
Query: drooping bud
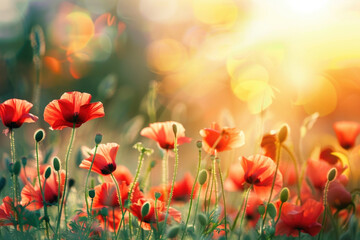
199, 144
17, 168
271, 210
173, 231
145, 209
331, 174
203, 175
284, 195
39, 135
92, 193
203, 219
283, 133
98, 138
174, 127
47, 172
56, 163
24, 161
157, 195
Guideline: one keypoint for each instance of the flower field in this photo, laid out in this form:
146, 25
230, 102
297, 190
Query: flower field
199, 119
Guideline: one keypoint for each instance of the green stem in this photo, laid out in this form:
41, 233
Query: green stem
173, 180
68, 152
278, 218
59, 185
244, 211
192, 194
211, 182
45, 209
223, 195
292, 157
197, 205
215, 181
140, 163
325, 209
165, 174
120, 203
87, 179
13, 160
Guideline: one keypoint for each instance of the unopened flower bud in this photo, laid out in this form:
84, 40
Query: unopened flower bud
56, 163
174, 127
199, 144
284, 195
39, 135
331, 174
71, 183
17, 168
145, 209
91, 193
271, 210
104, 212
152, 164
24, 161
157, 195
203, 219
261, 209
47, 172
203, 175
2, 183
98, 138
173, 231
283, 133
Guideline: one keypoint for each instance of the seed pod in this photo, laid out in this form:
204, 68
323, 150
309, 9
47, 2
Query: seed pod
271, 210
47, 172
56, 164
203, 175
91, 193
39, 135
284, 195
331, 174
98, 138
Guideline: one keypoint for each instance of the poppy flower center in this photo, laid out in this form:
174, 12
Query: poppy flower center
108, 169
75, 117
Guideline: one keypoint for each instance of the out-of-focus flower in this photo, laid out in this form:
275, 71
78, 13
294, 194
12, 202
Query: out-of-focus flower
338, 197
252, 215
219, 232
182, 190
268, 144
31, 196
163, 134
29, 173
326, 155
300, 218
14, 112
104, 162
221, 139
7, 213
121, 174
346, 133
73, 108
258, 171
160, 211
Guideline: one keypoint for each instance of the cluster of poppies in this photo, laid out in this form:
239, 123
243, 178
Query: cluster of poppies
280, 197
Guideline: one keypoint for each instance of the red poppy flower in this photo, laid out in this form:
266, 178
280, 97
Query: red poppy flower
14, 112
150, 218
121, 174
338, 197
162, 132
346, 133
221, 139
300, 218
104, 162
29, 173
31, 196
258, 171
182, 190
7, 213
326, 155
106, 195
72, 108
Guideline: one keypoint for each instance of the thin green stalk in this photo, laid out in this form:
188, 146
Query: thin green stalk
59, 185
192, 193
325, 209
45, 210
68, 152
120, 203
278, 218
197, 205
243, 214
13, 160
140, 163
130, 226
223, 195
215, 181
211, 190
87, 179
292, 157
165, 174
173, 180
145, 181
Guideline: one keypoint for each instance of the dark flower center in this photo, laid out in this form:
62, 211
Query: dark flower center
108, 169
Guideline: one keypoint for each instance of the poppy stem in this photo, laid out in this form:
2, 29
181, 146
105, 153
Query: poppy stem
211, 182
323, 224
278, 151
197, 205
120, 203
243, 214
165, 174
140, 163
13, 160
215, 181
223, 195
45, 209
278, 218
292, 157
192, 193
173, 180
59, 186
68, 152
87, 179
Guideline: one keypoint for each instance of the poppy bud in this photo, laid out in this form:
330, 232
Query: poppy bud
47, 172
190, 229
331, 174
24, 161
199, 144
145, 209
173, 231
284, 195
157, 195
16, 168
91, 193
271, 210
203, 175
98, 138
152, 164
261, 209
39, 135
56, 164
283, 133
71, 183
104, 212
203, 219
174, 127
2, 183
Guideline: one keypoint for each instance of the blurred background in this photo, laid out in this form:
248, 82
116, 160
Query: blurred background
247, 63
